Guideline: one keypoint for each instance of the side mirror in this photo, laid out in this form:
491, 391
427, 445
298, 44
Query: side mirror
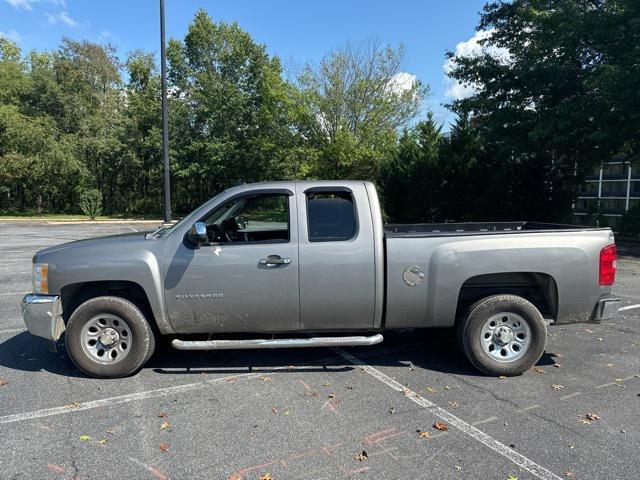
197, 234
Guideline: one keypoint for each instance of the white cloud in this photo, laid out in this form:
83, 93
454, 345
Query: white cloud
402, 81
28, 4
21, 4
105, 35
470, 48
62, 17
11, 35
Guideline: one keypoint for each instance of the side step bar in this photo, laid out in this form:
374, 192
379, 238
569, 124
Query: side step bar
276, 343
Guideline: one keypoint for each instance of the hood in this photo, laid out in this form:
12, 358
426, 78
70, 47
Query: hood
123, 238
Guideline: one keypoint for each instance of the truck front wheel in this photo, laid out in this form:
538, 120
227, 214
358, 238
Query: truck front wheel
503, 335
109, 337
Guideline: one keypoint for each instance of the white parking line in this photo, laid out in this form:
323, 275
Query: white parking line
105, 402
629, 307
12, 293
464, 427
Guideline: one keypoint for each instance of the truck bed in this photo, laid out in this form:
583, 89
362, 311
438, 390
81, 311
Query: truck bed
475, 228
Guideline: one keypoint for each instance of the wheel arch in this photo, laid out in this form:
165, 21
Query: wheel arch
74, 294
538, 288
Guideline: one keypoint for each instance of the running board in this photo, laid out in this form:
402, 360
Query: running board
276, 343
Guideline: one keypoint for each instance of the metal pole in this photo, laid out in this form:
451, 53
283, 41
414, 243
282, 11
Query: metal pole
165, 120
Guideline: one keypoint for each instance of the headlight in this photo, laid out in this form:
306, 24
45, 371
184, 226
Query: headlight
41, 278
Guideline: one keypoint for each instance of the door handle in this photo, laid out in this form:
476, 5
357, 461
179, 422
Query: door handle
274, 260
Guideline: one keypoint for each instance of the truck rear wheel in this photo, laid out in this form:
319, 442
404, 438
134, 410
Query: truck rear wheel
503, 335
109, 337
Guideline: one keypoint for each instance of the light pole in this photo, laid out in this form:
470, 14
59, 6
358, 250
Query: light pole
165, 120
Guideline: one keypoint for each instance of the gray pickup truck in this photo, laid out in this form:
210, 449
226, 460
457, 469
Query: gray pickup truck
304, 264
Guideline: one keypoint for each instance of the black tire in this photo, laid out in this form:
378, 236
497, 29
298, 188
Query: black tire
142, 337
469, 333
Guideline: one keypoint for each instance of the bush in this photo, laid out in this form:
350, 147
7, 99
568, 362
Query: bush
91, 203
629, 223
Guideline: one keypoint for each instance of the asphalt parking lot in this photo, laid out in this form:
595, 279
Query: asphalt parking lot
365, 413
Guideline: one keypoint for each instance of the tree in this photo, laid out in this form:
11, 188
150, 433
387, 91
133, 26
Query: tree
356, 99
411, 183
230, 107
555, 94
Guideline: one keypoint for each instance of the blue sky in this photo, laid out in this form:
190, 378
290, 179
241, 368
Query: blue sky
297, 31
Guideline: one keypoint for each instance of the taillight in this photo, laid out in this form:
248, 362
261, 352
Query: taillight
608, 256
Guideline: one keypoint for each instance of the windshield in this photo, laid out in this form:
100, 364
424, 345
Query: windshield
164, 230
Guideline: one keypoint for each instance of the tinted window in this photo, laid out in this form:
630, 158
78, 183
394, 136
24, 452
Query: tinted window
257, 218
331, 216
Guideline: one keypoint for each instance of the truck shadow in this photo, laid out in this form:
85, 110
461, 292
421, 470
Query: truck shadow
431, 349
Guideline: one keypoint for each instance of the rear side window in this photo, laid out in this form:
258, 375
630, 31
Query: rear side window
331, 216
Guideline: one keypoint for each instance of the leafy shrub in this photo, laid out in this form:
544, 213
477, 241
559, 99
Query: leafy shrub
91, 203
629, 223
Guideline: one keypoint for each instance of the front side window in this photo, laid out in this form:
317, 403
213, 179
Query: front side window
251, 219
331, 216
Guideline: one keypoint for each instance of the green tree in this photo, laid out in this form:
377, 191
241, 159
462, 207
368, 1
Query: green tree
231, 109
411, 183
555, 94
356, 99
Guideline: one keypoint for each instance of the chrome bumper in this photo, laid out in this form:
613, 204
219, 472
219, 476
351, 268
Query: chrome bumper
607, 308
42, 314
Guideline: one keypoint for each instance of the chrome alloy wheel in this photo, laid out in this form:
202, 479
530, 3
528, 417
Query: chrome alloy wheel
505, 337
106, 339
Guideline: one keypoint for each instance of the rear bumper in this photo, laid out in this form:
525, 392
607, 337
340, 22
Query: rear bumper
42, 314
606, 308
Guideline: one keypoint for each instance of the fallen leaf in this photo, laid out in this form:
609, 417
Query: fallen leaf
349, 387
264, 379
266, 476
331, 395
569, 474
609, 365
164, 447
274, 410
511, 477
164, 425
555, 386
231, 379
392, 410
431, 390
406, 392
502, 377
592, 416
557, 365
362, 456
162, 415
74, 405
103, 441
84, 438
538, 369
422, 434
443, 427
111, 431
588, 331
326, 384
458, 467
447, 387
454, 403
3, 382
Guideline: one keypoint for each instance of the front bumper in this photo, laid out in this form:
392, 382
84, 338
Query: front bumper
42, 314
606, 308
